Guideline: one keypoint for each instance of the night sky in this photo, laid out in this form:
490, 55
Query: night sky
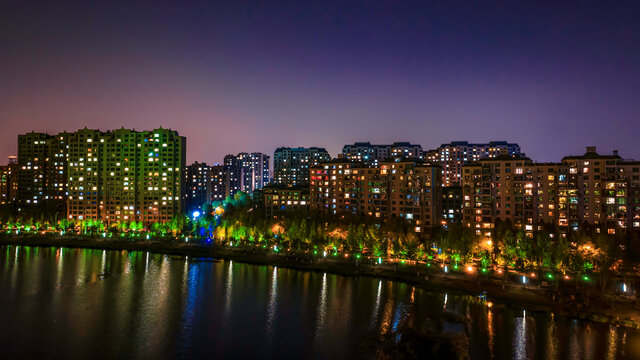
251, 76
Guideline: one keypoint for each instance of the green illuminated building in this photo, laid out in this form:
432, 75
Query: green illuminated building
113, 176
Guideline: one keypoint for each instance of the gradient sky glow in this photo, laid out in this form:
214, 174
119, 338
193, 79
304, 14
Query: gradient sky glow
252, 76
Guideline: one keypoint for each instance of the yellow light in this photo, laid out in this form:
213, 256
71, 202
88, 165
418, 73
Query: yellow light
469, 268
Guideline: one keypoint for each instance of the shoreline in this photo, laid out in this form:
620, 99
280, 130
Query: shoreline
620, 313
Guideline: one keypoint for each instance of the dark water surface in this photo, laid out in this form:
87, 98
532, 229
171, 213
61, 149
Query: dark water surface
73, 303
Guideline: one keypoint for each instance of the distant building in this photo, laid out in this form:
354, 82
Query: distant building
372, 155
409, 190
246, 172
452, 156
219, 183
291, 165
198, 183
42, 165
9, 182
600, 190
280, 199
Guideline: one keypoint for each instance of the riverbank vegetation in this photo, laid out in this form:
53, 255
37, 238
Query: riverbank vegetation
237, 222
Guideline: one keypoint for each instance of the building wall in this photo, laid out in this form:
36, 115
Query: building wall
246, 172
219, 183
291, 165
198, 182
119, 175
600, 190
372, 155
403, 189
451, 204
9, 182
280, 199
451, 157
39, 165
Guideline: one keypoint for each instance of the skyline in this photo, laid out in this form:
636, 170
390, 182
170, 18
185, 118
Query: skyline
326, 74
340, 152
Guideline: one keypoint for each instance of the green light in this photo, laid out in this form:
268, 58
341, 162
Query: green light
455, 267
357, 256
403, 261
550, 276
585, 278
429, 264
484, 270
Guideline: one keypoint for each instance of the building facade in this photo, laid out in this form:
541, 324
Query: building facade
279, 199
291, 165
126, 175
451, 205
119, 175
602, 190
451, 157
409, 190
219, 183
372, 155
246, 172
42, 170
594, 189
9, 182
198, 182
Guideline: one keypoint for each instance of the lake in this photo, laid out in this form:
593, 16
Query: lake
77, 304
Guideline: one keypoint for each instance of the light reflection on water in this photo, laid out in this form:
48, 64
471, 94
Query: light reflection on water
273, 304
490, 332
77, 304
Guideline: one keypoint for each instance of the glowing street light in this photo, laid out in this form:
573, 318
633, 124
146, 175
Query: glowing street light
196, 214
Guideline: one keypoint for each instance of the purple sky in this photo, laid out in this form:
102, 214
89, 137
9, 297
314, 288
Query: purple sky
252, 76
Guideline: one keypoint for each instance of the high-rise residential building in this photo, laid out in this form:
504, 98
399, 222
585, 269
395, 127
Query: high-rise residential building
120, 175
219, 183
291, 165
126, 175
600, 190
451, 157
85, 176
406, 189
499, 188
9, 181
371, 155
246, 172
198, 183
42, 170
